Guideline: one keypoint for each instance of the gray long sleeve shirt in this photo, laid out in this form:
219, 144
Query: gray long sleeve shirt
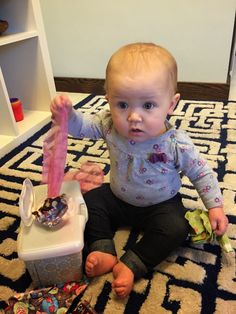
147, 173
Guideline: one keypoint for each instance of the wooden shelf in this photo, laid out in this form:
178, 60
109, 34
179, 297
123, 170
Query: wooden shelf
25, 72
7, 143
13, 38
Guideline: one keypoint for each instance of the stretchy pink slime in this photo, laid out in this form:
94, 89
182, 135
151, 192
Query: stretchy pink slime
54, 153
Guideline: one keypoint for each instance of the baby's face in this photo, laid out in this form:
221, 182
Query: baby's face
139, 104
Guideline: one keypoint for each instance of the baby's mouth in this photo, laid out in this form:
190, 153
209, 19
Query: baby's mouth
135, 130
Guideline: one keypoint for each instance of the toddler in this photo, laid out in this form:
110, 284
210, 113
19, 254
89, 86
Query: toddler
148, 156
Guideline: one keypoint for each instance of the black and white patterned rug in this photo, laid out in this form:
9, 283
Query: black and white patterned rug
194, 279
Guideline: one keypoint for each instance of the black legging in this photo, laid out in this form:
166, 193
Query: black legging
164, 226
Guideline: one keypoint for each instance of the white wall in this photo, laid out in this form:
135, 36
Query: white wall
232, 90
82, 34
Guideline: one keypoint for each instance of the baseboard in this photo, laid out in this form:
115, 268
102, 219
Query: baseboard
188, 90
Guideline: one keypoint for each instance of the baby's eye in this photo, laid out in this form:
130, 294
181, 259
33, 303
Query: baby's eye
122, 105
148, 105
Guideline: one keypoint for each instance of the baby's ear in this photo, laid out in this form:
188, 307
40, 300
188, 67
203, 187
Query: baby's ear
173, 103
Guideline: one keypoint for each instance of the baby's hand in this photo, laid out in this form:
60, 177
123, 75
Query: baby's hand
59, 102
218, 219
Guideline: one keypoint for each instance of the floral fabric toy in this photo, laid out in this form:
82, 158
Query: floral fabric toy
201, 231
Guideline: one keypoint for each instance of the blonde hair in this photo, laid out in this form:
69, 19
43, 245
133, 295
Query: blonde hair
139, 56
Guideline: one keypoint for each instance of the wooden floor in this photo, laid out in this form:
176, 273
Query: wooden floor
188, 90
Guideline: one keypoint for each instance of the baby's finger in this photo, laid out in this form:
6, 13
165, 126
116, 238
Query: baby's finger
221, 227
65, 100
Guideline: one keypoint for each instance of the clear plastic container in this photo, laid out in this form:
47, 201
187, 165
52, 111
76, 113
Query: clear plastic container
52, 255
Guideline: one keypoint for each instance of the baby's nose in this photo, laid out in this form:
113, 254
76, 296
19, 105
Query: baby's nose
134, 117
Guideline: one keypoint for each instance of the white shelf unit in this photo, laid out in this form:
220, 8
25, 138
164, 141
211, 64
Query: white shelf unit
25, 72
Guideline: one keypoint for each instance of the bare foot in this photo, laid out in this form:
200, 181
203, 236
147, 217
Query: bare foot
123, 280
99, 263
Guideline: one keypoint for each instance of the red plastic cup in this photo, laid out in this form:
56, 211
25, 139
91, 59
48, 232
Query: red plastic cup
17, 109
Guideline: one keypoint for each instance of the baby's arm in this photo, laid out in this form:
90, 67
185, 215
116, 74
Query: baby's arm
60, 102
218, 219
80, 125
204, 180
